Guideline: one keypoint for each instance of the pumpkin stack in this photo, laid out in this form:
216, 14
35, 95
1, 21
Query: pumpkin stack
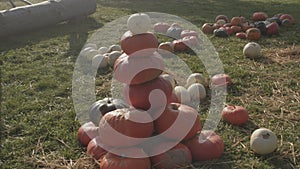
153, 111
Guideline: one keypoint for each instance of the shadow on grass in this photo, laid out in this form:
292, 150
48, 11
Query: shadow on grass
76, 30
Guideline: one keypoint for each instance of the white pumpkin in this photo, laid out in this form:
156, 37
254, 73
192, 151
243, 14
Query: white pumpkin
90, 54
197, 92
252, 50
99, 61
263, 141
183, 95
170, 79
114, 48
139, 23
196, 78
113, 56
102, 50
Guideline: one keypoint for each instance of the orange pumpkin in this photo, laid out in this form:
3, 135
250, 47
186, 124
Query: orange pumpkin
87, 132
236, 21
125, 159
236, 115
95, 148
207, 146
177, 157
253, 34
138, 70
121, 127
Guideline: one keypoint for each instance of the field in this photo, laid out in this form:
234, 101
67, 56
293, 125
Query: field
38, 124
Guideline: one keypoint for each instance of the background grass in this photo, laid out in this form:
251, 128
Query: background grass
38, 121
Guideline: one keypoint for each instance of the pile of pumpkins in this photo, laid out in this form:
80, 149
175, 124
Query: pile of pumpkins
147, 112
261, 24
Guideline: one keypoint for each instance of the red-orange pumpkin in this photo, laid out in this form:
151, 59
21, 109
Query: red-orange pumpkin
145, 43
259, 16
95, 148
113, 161
117, 127
236, 21
169, 116
224, 17
253, 34
208, 146
87, 132
177, 157
236, 115
138, 95
138, 70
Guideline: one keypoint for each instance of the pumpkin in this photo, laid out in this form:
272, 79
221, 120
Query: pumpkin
169, 78
241, 35
272, 29
287, 16
236, 21
187, 126
224, 17
99, 61
95, 148
196, 78
252, 50
174, 32
179, 45
253, 34
113, 48
221, 22
177, 157
183, 95
220, 33
246, 26
208, 28
263, 141
220, 80
206, 145
165, 48
101, 107
116, 128
236, 115
236, 29
138, 70
259, 16
127, 158
261, 26
191, 41
139, 23
161, 27
87, 132
113, 56
102, 50
138, 45
144, 96
187, 32
197, 92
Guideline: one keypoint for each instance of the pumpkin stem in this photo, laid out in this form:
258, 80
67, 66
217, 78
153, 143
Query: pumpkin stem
173, 106
266, 136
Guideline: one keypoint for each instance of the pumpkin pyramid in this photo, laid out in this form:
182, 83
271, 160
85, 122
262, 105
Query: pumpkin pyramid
153, 110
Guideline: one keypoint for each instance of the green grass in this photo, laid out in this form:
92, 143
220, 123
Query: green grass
38, 121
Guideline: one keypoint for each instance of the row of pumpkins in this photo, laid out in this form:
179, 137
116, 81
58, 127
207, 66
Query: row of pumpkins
239, 26
144, 113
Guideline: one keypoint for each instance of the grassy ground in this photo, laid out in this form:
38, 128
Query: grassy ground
38, 121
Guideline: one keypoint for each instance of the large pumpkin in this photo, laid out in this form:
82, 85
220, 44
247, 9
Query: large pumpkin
208, 146
139, 45
180, 131
95, 148
125, 127
138, 70
177, 157
154, 94
126, 161
87, 132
